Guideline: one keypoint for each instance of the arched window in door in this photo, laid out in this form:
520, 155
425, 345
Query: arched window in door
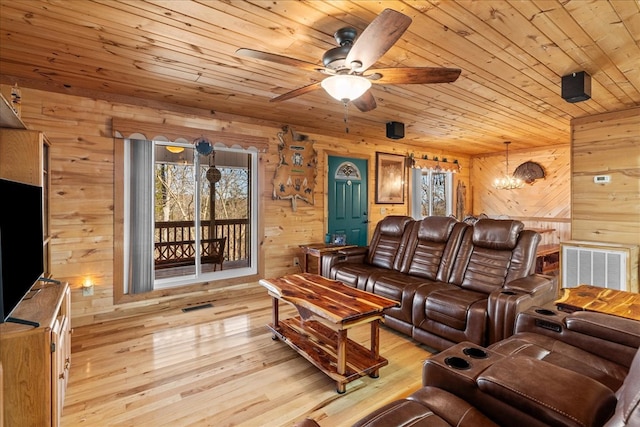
348, 171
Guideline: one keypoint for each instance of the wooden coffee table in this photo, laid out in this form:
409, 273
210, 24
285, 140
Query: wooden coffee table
327, 309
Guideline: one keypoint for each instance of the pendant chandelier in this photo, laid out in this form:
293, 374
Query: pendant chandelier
507, 182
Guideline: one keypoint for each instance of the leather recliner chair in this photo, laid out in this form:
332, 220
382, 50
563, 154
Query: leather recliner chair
558, 369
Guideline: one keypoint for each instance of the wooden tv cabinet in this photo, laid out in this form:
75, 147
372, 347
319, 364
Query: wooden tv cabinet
35, 360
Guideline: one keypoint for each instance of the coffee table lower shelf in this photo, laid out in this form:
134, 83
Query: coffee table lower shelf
318, 344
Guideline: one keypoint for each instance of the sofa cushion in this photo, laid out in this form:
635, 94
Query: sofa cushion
436, 228
451, 306
389, 241
523, 256
497, 234
430, 241
486, 270
399, 287
485, 259
432, 247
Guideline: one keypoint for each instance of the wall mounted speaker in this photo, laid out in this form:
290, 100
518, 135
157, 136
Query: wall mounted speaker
576, 87
395, 130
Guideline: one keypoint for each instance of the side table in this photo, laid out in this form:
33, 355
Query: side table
601, 300
313, 253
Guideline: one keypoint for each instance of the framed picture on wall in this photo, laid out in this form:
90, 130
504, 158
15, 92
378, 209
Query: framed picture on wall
389, 178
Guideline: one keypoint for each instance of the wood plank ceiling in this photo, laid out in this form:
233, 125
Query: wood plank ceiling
181, 55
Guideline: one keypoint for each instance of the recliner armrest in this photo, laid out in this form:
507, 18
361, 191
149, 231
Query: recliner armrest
605, 326
531, 284
516, 296
355, 251
611, 337
553, 394
356, 254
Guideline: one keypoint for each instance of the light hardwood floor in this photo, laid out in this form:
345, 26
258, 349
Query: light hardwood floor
219, 366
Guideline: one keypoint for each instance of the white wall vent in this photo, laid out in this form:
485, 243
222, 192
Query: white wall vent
598, 264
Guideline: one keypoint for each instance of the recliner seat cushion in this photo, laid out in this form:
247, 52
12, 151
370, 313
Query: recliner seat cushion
451, 306
355, 274
539, 388
564, 355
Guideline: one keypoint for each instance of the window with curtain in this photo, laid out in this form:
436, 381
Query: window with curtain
189, 217
432, 193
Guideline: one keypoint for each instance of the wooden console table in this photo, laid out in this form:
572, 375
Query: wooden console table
328, 308
313, 255
602, 300
548, 259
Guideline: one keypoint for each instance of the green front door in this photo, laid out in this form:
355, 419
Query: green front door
347, 205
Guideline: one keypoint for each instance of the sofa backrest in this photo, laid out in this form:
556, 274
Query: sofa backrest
493, 254
389, 240
523, 256
431, 248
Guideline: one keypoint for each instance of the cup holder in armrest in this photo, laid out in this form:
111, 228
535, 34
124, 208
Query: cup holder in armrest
474, 352
545, 312
457, 362
507, 293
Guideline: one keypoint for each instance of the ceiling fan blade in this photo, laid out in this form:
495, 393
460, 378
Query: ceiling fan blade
414, 75
279, 59
297, 92
377, 38
365, 102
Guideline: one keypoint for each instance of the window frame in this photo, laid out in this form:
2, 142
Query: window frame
122, 129
416, 190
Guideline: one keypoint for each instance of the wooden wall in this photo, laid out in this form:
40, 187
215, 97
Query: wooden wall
543, 204
606, 144
82, 196
83, 178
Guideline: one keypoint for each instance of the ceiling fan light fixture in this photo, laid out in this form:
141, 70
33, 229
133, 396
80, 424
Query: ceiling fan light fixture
345, 87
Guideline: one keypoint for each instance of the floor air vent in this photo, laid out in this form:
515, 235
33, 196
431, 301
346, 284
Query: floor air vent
197, 307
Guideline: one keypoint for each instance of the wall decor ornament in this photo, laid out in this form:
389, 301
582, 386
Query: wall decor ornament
295, 176
203, 146
390, 171
529, 172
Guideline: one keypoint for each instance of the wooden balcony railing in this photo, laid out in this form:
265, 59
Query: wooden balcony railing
175, 242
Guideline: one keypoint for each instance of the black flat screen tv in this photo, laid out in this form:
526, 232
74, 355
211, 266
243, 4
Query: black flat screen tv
21, 243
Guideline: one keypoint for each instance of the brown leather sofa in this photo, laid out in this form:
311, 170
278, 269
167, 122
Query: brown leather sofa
455, 282
558, 369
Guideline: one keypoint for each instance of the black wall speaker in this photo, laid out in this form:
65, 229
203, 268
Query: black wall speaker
576, 87
395, 130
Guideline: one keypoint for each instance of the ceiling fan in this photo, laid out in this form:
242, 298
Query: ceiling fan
347, 64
